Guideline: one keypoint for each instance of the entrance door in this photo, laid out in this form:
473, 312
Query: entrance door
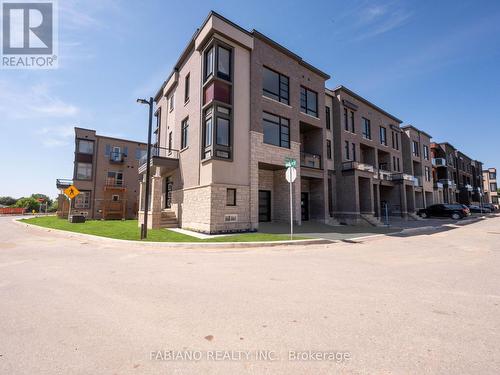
168, 192
264, 205
304, 205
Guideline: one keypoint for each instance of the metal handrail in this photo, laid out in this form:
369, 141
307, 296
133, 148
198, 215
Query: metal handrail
310, 160
163, 152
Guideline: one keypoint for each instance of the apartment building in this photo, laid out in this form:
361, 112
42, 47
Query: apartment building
464, 178
105, 172
444, 161
370, 179
490, 186
477, 181
236, 105
417, 162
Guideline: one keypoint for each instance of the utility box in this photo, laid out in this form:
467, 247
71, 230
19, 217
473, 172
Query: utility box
77, 219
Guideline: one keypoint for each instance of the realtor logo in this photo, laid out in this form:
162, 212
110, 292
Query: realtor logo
29, 34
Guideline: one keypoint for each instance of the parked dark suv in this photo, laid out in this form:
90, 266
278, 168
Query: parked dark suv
455, 211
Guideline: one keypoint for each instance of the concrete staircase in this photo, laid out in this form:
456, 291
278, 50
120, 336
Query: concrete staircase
414, 216
372, 220
168, 220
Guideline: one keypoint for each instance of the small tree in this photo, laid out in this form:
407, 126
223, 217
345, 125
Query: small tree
29, 203
7, 201
45, 198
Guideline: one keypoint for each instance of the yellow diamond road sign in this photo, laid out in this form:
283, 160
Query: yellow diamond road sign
71, 192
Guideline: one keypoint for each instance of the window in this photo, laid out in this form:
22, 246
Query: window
222, 130
184, 133
327, 115
115, 178
82, 200
328, 149
353, 149
208, 129
383, 135
427, 174
493, 175
84, 171
276, 130
395, 141
223, 63
169, 142
493, 187
209, 63
139, 153
415, 148
115, 198
308, 101
85, 147
367, 129
171, 102
346, 120
346, 149
353, 129
275, 86
186, 88
426, 152
230, 197
399, 167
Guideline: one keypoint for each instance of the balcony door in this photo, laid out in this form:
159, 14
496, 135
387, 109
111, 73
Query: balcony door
264, 205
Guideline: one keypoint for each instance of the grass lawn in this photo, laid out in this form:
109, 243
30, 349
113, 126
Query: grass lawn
128, 230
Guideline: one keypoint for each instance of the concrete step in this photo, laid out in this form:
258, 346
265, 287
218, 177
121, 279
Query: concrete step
174, 225
168, 220
414, 216
372, 220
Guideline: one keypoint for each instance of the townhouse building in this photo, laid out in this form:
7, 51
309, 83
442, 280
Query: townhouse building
477, 181
417, 162
445, 175
236, 105
490, 187
370, 180
106, 174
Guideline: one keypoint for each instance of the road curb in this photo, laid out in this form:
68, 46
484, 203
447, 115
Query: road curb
220, 245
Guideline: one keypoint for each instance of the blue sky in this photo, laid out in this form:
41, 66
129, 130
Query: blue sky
433, 64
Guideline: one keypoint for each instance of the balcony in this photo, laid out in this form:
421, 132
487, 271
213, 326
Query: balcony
114, 184
402, 177
438, 185
310, 160
62, 183
117, 157
439, 162
384, 175
417, 181
354, 165
468, 187
165, 158
448, 183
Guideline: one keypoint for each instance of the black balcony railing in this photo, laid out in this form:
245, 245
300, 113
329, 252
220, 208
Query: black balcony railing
117, 157
162, 152
62, 183
310, 160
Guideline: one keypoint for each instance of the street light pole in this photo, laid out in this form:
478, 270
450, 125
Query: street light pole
144, 227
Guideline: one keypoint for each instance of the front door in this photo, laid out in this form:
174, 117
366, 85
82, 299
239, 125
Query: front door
168, 192
264, 205
304, 205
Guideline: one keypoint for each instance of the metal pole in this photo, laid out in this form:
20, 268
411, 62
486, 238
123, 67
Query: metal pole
291, 210
69, 210
144, 233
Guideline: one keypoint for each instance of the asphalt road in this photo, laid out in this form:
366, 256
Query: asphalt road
427, 304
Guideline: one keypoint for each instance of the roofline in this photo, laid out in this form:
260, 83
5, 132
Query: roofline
108, 137
253, 33
366, 101
290, 54
409, 126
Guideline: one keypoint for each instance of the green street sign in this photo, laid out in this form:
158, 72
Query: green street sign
290, 163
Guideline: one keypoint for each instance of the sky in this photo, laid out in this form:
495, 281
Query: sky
433, 64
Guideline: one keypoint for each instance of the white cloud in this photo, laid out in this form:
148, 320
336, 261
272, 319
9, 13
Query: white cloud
56, 136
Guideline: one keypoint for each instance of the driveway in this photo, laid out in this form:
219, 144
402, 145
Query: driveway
426, 304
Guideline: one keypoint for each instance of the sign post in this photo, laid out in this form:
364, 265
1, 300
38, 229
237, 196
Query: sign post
71, 192
291, 175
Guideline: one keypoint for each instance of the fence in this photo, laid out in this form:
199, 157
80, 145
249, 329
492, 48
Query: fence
11, 211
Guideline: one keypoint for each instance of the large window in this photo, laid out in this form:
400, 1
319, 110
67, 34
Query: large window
367, 129
353, 151
209, 63
415, 148
493, 175
171, 102
328, 149
217, 133
219, 58
184, 133
493, 187
84, 171
327, 115
275, 86
208, 128
222, 130
114, 178
383, 135
82, 200
85, 147
308, 101
426, 152
427, 174
346, 119
276, 130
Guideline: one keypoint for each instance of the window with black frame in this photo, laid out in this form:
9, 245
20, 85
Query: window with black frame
383, 136
308, 101
276, 130
367, 129
327, 115
217, 133
275, 85
217, 61
184, 133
